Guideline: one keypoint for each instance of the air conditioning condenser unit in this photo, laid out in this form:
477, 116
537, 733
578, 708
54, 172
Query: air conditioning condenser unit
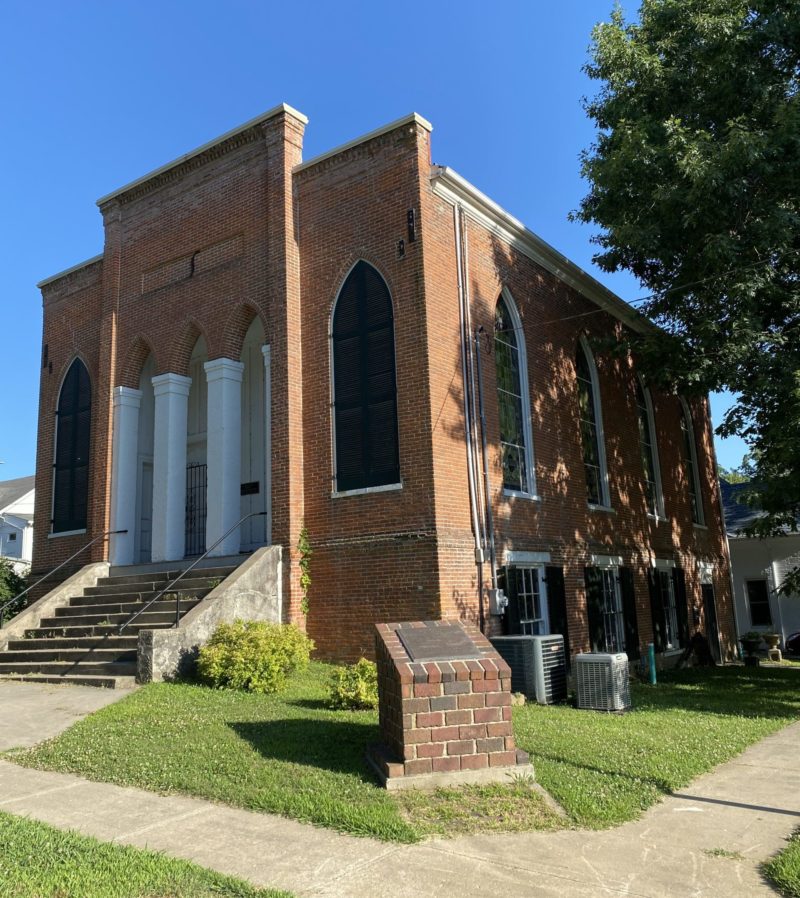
602, 681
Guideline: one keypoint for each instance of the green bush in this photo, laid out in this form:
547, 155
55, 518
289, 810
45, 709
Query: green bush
253, 655
355, 687
11, 584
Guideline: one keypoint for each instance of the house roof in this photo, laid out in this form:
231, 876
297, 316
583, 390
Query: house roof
13, 490
738, 514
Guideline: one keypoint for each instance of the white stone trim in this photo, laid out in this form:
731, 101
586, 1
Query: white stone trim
705, 572
605, 561
362, 491
66, 533
258, 120
518, 557
413, 118
664, 564
451, 187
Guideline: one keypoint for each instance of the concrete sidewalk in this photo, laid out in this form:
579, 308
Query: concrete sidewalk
33, 712
749, 805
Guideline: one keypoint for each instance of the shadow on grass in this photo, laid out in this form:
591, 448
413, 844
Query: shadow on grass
334, 745
311, 704
737, 691
659, 784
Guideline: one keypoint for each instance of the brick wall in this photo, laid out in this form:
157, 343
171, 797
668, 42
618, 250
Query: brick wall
239, 231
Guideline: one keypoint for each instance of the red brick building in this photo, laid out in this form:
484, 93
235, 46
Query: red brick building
365, 344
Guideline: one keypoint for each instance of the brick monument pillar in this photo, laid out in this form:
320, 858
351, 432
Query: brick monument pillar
445, 708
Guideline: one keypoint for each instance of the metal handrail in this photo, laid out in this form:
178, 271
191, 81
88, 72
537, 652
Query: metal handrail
183, 573
57, 567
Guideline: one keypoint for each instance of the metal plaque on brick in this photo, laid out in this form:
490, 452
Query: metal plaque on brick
443, 642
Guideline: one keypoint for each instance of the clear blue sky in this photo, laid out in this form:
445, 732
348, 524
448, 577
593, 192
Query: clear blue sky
95, 94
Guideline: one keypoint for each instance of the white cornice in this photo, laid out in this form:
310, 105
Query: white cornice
66, 271
451, 187
413, 118
258, 120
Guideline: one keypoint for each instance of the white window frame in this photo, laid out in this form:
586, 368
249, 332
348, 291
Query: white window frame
525, 396
660, 514
666, 566
537, 571
597, 405
687, 417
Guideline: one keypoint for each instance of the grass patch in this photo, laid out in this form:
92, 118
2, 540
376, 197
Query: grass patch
607, 768
784, 869
38, 861
470, 809
291, 754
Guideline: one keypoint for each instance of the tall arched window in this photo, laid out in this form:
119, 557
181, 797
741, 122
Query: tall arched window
649, 447
690, 464
364, 383
71, 468
591, 423
512, 399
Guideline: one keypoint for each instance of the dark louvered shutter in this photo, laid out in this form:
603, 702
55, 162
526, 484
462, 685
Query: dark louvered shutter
557, 605
365, 391
680, 606
629, 612
73, 434
507, 580
656, 610
594, 608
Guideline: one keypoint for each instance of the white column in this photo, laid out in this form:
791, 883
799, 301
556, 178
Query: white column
267, 353
169, 466
224, 453
124, 451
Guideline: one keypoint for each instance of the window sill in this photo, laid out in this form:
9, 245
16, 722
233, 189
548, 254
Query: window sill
514, 494
363, 491
606, 508
658, 518
66, 533
699, 526
669, 653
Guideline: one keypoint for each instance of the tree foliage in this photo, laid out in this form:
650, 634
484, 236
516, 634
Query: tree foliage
695, 185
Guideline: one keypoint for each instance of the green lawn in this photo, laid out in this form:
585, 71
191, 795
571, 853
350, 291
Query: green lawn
38, 861
291, 755
784, 869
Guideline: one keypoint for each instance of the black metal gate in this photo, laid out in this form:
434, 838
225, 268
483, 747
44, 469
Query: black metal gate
196, 508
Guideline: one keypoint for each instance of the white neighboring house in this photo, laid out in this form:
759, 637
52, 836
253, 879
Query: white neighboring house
16, 521
758, 567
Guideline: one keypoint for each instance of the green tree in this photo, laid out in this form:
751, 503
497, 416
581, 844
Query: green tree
695, 185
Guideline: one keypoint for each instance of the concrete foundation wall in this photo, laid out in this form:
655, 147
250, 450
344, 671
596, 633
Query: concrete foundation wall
56, 598
252, 592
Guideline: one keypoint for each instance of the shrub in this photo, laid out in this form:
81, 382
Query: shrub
355, 687
253, 655
11, 584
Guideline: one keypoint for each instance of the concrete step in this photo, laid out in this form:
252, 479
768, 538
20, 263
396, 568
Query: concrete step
124, 682
74, 655
143, 589
96, 630
164, 577
127, 607
59, 668
145, 620
87, 643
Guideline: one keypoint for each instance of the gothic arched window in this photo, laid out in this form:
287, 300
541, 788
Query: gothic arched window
71, 468
364, 383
